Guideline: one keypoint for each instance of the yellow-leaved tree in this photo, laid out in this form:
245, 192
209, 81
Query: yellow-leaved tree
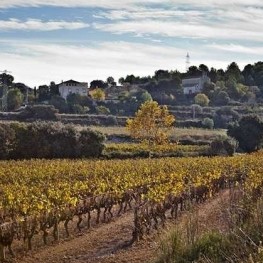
151, 123
98, 94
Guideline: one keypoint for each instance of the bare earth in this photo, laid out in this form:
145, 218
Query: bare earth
109, 242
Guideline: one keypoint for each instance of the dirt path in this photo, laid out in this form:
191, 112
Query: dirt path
108, 243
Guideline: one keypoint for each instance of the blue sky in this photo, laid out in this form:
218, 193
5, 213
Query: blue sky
54, 40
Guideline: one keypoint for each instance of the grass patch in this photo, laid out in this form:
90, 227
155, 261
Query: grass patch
240, 242
184, 135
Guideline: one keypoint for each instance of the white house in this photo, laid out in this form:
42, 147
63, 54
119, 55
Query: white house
72, 86
195, 84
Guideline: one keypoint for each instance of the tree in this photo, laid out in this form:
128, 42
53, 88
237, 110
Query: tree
222, 98
248, 132
54, 90
196, 109
59, 103
6, 79
130, 79
193, 71
98, 84
74, 98
98, 94
162, 74
43, 93
14, 99
121, 80
110, 81
233, 71
151, 123
201, 99
203, 68
248, 73
225, 116
213, 75
208, 123
145, 96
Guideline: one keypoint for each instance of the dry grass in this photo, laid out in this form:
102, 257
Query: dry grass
176, 132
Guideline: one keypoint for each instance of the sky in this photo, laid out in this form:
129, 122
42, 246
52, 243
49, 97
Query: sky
54, 40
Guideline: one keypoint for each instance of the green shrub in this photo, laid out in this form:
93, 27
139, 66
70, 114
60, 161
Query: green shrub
248, 132
52, 140
213, 246
223, 146
103, 110
59, 103
224, 116
14, 99
39, 112
208, 123
7, 140
90, 143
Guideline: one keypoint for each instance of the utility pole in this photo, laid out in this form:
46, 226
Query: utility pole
187, 62
5, 90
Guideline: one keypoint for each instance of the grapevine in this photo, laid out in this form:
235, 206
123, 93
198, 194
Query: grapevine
36, 196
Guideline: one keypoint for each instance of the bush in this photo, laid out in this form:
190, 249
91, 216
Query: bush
14, 99
39, 112
222, 98
196, 109
201, 99
59, 103
223, 146
7, 139
50, 140
224, 116
208, 123
212, 246
90, 143
77, 109
103, 110
248, 132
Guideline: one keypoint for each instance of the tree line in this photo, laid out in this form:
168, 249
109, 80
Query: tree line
227, 87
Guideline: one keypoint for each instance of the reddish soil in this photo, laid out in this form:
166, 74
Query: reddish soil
109, 242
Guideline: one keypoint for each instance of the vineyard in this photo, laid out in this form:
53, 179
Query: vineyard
38, 196
134, 150
166, 148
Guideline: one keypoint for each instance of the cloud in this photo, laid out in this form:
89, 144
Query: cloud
187, 25
38, 25
39, 63
116, 4
238, 49
74, 3
148, 13
180, 29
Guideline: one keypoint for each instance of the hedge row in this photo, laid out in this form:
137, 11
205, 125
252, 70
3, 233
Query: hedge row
48, 140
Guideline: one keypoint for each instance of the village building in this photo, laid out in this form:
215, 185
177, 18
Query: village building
194, 85
72, 86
